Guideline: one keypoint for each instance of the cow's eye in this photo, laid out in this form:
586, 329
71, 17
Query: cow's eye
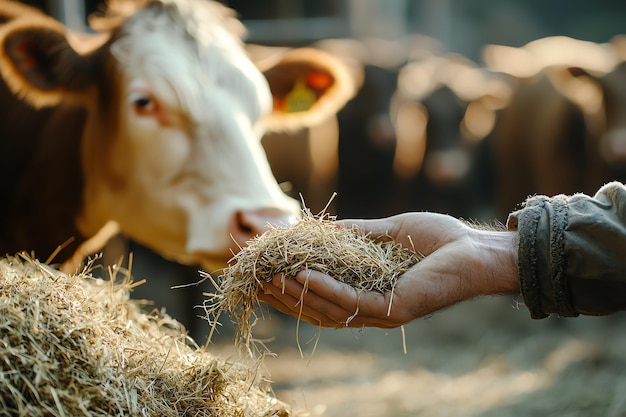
143, 104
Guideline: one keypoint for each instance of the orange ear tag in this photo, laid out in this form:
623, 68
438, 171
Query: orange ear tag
300, 98
319, 80
279, 104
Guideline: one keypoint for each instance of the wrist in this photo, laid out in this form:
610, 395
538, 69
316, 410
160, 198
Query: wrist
497, 262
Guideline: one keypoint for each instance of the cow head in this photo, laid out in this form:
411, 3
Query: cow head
445, 105
175, 112
590, 75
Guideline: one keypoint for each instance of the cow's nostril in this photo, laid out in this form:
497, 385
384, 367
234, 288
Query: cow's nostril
244, 224
250, 223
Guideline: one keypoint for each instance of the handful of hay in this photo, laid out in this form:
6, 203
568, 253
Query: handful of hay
313, 243
77, 346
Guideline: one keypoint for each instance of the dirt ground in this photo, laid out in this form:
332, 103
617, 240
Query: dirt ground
482, 358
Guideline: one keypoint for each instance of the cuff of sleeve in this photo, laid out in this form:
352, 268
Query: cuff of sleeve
541, 224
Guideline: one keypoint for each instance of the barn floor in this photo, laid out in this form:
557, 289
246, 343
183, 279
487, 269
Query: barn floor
482, 358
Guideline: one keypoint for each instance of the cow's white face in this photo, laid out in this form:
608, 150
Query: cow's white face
186, 171
174, 115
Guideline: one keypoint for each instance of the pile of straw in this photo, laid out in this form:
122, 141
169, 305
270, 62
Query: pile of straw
365, 262
77, 346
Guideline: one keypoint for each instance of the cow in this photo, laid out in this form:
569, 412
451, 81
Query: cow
150, 127
383, 169
367, 138
444, 110
565, 128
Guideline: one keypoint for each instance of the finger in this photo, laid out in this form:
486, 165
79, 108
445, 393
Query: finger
286, 308
319, 316
320, 300
300, 300
345, 304
334, 293
371, 308
290, 297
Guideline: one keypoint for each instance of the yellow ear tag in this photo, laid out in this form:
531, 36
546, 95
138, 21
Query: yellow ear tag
300, 98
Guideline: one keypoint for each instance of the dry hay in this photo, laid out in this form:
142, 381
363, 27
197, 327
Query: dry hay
77, 346
367, 263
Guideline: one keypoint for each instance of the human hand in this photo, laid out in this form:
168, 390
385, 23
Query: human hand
460, 262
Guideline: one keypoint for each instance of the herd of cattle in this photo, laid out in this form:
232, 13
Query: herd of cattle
165, 127
436, 131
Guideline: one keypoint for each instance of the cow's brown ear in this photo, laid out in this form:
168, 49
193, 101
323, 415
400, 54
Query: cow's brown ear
308, 85
38, 63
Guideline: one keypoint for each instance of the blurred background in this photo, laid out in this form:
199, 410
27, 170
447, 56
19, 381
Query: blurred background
461, 25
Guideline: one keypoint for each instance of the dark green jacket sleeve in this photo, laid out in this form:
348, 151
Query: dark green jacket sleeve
572, 253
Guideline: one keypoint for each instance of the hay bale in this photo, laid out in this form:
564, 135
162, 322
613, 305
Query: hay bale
78, 346
365, 262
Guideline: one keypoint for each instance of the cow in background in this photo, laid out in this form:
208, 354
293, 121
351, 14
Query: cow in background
367, 137
444, 110
152, 125
565, 128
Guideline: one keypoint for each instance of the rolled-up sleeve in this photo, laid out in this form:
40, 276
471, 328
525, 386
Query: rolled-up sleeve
572, 253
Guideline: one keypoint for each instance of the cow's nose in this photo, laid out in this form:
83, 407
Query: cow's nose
446, 167
247, 224
613, 147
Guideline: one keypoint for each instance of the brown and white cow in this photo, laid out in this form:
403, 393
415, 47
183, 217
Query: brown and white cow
565, 128
366, 140
444, 110
153, 124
